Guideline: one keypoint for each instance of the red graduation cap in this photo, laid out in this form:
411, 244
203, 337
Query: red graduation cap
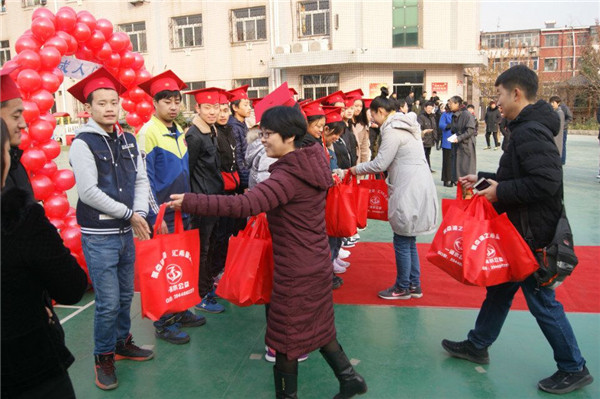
279, 96
337, 97
99, 79
239, 93
225, 97
164, 81
312, 108
304, 102
210, 95
332, 114
8, 87
354, 94
293, 92
255, 101
367, 102
348, 102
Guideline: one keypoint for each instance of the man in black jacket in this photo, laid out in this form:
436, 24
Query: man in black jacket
428, 130
205, 178
492, 119
529, 179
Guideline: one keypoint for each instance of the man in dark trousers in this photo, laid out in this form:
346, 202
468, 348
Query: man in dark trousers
428, 130
11, 110
492, 119
410, 100
529, 179
568, 119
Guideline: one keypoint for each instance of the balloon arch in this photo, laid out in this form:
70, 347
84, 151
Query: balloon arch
39, 52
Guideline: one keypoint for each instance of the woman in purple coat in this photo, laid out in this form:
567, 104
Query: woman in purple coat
300, 317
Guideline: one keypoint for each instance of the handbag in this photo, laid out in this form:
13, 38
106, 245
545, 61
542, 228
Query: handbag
340, 209
167, 269
361, 196
248, 276
378, 197
231, 180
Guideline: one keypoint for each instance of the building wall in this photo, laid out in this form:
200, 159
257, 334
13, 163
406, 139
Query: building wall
563, 52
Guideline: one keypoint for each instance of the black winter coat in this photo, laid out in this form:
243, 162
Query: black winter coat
17, 175
205, 164
427, 121
530, 173
492, 118
352, 144
342, 153
36, 266
226, 145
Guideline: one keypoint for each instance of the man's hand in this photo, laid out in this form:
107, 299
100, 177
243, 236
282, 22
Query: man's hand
490, 192
467, 181
176, 201
140, 227
163, 228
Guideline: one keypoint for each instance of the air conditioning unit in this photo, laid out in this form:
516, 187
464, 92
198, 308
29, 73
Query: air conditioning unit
282, 49
299, 47
315, 45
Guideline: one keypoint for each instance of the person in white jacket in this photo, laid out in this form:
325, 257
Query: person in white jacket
413, 204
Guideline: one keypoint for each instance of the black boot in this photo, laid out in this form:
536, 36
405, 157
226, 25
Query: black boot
286, 385
351, 383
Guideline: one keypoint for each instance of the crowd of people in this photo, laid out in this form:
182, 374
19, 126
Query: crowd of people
221, 170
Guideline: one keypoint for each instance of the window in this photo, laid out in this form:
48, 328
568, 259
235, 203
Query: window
524, 39
582, 39
29, 3
137, 35
531, 63
405, 81
550, 64
405, 17
317, 86
258, 87
249, 24
551, 40
189, 102
4, 51
187, 31
313, 17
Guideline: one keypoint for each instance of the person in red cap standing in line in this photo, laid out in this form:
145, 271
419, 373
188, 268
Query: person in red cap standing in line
240, 110
205, 178
360, 125
11, 109
113, 200
162, 143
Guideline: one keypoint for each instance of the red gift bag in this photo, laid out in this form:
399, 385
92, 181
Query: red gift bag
166, 267
248, 275
460, 200
361, 196
378, 197
340, 209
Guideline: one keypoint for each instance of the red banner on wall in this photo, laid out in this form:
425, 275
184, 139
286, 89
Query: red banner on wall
440, 87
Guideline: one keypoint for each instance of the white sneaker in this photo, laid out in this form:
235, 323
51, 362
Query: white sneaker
342, 263
338, 268
347, 243
355, 237
343, 254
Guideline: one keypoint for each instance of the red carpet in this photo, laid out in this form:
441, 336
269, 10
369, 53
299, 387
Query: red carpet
373, 269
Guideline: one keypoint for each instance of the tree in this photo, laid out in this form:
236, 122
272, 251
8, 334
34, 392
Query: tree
590, 63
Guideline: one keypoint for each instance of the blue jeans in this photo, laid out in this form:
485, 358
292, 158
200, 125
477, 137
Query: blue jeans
110, 260
335, 243
547, 311
408, 268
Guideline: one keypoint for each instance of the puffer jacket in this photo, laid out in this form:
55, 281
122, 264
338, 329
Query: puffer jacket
203, 152
427, 121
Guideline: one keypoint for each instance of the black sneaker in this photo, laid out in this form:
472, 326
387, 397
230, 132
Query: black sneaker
337, 282
395, 293
128, 350
105, 371
415, 292
189, 319
466, 350
563, 382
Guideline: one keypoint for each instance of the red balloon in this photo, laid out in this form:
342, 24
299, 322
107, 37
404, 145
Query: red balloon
84, 52
27, 43
104, 52
66, 18
127, 77
43, 99
70, 40
142, 76
81, 32
59, 43
119, 41
71, 221
130, 46
86, 18
58, 223
105, 26
59, 74
30, 111
133, 119
56, 207
127, 59
43, 28
49, 169
138, 61
63, 179
128, 105
29, 80
72, 212
52, 149
42, 186
72, 238
50, 57
33, 159
136, 94
48, 117
144, 109
113, 61
41, 131
29, 59
43, 13
25, 140
96, 41
50, 81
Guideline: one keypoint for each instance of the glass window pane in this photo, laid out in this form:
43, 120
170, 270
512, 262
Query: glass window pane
143, 46
198, 36
320, 92
398, 18
398, 40
250, 30
261, 82
398, 3
195, 19
134, 43
412, 16
324, 5
329, 79
310, 5
308, 93
411, 2
139, 26
261, 26
239, 27
331, 90
412, 39
243, 13
319, 24
257, 11
309, 79
179, 42
307, 26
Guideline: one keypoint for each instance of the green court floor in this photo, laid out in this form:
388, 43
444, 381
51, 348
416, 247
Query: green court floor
396, 349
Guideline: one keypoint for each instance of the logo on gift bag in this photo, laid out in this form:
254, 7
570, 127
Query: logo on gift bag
490, 251
174, 274
458, 245
375, 201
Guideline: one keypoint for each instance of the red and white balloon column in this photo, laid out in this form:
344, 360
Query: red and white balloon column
39, 52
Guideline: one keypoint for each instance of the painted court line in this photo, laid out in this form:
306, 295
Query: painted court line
68, 306
63, 321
